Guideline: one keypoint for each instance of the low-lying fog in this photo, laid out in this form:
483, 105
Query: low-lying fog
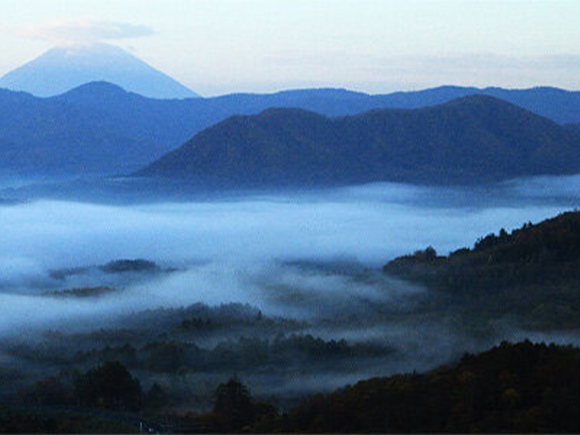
308, 262
248, 248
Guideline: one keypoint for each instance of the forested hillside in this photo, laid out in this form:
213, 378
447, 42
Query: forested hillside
520, 387
474, 139
533, 272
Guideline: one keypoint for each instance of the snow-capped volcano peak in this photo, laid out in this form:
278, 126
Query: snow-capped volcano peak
65, 67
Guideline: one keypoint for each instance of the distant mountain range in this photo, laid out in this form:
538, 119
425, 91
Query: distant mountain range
469, 140
63, 68
99, 128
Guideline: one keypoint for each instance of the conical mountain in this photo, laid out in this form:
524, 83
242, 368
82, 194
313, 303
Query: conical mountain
63, 68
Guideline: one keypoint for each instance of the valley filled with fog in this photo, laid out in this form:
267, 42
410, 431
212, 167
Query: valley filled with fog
228, 281
280, 217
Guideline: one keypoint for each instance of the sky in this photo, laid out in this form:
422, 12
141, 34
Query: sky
376, 46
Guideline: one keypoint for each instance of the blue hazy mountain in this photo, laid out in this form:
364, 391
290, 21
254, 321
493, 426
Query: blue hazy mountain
99, 128
61, 69
473, 139
574, 128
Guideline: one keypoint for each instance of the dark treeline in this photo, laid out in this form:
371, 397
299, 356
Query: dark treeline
173, 359
187, 352
532, 274
521, 387
241, 354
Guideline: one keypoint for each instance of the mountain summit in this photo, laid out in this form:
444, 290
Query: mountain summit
474, 139
63, 68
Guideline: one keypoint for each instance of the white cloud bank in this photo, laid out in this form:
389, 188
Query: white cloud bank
85, 31
256, 249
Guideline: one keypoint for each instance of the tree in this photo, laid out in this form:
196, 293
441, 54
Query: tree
427, 255
156, 397
109, 385
233, 408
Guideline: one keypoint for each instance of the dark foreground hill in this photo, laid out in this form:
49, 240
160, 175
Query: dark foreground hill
99, 128
519, 388
532, 274
512, 388
470, 140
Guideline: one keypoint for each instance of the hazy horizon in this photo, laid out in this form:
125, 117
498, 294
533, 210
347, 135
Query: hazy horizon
260, 46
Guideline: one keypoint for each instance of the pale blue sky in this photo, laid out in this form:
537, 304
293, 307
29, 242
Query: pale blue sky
221, 46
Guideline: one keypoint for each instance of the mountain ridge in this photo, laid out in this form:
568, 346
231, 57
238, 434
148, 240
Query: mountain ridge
100, 129
471, 139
